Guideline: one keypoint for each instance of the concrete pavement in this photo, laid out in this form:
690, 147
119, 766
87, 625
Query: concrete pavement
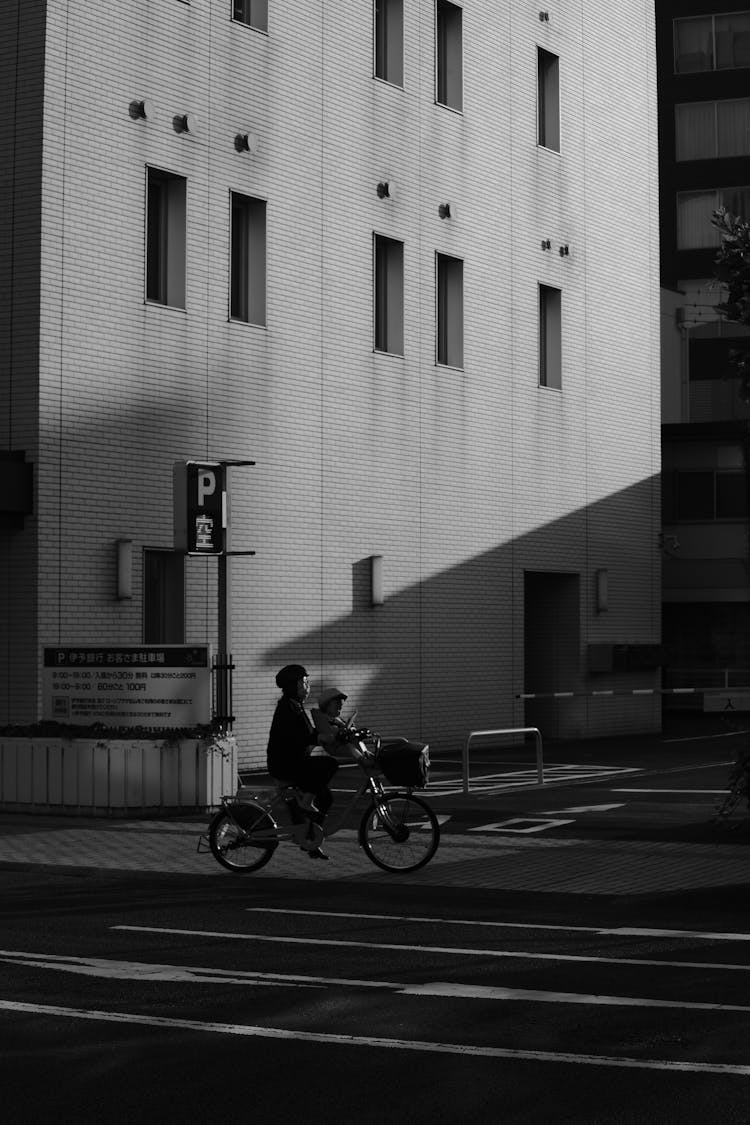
564, 864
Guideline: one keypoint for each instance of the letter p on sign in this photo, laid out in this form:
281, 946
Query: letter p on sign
206, 485
199, 507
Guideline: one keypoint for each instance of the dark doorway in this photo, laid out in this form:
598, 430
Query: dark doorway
552, 646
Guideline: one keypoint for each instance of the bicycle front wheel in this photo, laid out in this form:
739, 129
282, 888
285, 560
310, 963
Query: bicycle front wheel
243, 837
401, 836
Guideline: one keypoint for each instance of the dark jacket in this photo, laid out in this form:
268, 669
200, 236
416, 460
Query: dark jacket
291, 736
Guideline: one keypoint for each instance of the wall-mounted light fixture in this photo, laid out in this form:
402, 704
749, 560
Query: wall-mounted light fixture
376, 579
544, 17
445, 211
564, 251
386, 189
546, 244
602, 591
140, 110
124, 569
247, 142
184, 123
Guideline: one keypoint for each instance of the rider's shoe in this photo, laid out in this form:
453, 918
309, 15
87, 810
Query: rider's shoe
307, 802
318, 853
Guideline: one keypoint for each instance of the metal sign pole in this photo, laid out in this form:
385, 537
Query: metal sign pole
224, 578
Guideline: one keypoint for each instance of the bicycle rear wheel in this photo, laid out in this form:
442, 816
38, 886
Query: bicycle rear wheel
242, 837
405, 838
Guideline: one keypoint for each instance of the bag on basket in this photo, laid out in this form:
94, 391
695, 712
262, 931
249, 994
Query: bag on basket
405, 763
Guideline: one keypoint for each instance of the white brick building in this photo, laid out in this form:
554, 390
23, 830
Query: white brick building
400, 415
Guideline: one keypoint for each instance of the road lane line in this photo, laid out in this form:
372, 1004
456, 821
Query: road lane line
442, 949
616, 931
534, 995
370, 1041
694, 792
148, 972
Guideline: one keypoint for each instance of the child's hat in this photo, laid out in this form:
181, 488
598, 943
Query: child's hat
326, 696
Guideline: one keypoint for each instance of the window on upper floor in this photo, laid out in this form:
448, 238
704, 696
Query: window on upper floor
707, 130
449, 77
389, 41
548, 99
704, 495
252, 12
695, 208
165, 238
720, 42
248, 260
450, 311
550, 337
389, 295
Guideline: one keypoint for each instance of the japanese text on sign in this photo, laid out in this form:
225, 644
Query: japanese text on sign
149, 686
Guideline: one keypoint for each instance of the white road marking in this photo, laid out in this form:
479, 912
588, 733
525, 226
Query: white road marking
610, 931
517, 778
147, 972
534, 824
493, 992
369, 1041
587, 808
509, 954
703, 737
693, 791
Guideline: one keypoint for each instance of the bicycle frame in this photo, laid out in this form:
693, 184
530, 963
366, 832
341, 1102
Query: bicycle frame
370, 785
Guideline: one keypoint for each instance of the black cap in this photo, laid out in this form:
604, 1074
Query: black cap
289, 675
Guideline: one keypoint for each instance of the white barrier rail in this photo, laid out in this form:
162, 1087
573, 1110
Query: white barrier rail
506, 730
632, 691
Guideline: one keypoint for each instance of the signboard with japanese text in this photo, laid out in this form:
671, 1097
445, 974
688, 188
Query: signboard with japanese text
199, 496
145, 686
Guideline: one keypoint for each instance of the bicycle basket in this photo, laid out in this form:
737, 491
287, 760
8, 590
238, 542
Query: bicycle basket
405, 763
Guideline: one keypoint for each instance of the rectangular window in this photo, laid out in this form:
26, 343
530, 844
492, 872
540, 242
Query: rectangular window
731, 496
252, 12
719, 42
707, 495
548, 99
389, 296
449, 54
694, 209
163, 598
248, 260
707, 130
450, 311
550, 337
165, 238
389, 41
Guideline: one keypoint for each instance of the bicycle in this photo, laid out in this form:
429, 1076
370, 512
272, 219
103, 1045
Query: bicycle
398, 831
739, 787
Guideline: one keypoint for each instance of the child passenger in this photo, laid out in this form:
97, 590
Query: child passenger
329, 726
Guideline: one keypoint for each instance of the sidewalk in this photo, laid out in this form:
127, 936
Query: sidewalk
562, 865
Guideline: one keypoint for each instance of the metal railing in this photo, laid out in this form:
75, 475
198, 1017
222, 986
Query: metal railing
507, 730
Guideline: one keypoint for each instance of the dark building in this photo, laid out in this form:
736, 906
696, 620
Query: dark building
703, 60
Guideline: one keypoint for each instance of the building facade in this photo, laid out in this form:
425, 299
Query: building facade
703, 53
396, 254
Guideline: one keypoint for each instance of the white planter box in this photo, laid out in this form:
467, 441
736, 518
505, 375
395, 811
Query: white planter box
106, 776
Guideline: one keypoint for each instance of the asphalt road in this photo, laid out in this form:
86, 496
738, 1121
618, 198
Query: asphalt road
587, 962
189, 1000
